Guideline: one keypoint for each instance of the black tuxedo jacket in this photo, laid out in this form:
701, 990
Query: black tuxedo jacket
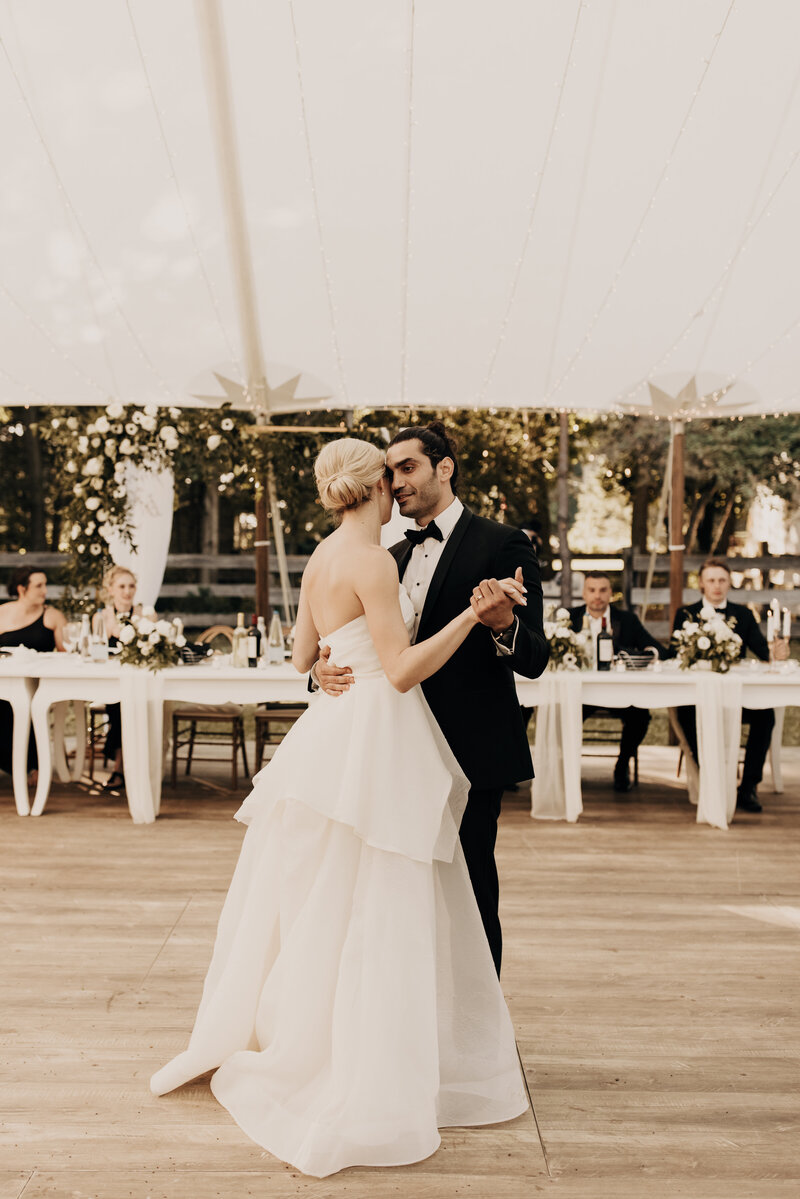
473, 696
627, 630
746, 627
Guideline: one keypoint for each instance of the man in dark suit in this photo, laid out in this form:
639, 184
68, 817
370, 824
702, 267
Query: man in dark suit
715, 583
451, 556
629, 634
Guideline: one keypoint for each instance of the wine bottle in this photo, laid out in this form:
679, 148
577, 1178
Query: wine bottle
605, 647
253, 643
239, 651
276, 649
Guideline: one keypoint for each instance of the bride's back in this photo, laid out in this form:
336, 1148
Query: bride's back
335, 572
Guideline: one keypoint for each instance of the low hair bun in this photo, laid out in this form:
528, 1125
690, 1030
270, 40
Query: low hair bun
346, 471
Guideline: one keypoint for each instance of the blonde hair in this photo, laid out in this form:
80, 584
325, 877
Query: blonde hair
346, 471
109, 579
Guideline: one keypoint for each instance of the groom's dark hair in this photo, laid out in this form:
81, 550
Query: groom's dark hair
436, 444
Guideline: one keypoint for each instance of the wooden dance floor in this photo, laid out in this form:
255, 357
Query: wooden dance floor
651, 969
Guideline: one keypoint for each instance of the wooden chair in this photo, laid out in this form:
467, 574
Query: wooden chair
598, 735
97, 721
269, 716
227, 716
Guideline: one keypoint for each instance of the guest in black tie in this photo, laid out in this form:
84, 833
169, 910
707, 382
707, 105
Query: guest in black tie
451, 556
715, 583
119, 590
629, 634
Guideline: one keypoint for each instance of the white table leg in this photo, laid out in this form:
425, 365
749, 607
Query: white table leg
40, 714
59, 746
79, 709
20, 700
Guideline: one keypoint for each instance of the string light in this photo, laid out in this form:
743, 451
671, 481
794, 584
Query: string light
67, 201
407, 210
55, 348
540, 176
312, 180
637, 236
173, 176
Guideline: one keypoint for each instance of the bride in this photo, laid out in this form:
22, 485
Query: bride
352, 1008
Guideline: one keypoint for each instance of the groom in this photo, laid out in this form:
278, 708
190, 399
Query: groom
451, 556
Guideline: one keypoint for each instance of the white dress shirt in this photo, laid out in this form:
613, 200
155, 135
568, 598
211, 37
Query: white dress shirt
425, 558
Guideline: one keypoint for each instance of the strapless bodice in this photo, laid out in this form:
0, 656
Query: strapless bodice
351, 645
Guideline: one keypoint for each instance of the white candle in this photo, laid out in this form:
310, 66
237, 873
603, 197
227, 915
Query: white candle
787, 623
776, 614
770, 625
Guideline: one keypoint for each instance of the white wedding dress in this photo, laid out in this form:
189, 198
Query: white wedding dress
351, 1007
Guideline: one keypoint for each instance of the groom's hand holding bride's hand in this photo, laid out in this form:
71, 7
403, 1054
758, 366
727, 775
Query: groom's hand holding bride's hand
333, 680
493, 601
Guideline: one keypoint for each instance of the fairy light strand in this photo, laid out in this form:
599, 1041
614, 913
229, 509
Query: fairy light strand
55, 348
66, 199
540, 177
408, 203
173, 176
637, 235
581, 194
317, 217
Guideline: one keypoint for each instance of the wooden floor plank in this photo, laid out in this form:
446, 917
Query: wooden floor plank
650, 967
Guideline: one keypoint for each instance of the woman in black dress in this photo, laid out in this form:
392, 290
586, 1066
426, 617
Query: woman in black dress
26, 620
119, 589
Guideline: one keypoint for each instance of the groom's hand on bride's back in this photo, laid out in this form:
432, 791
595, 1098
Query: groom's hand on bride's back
333, 680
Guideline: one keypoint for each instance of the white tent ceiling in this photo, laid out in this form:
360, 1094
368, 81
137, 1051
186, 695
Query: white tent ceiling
449, 202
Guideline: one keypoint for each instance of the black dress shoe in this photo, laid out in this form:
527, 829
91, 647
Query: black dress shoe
622, 779
747, 800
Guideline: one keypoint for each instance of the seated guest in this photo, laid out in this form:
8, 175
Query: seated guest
715, 583
26, 620
629, 634
119, 589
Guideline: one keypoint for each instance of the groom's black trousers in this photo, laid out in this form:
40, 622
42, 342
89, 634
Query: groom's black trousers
478, 835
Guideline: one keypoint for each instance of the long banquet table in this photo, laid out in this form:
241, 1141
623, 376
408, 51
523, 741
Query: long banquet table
34, 683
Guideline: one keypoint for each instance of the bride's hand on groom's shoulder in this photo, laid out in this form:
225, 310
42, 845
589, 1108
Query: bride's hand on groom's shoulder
493, 601
333, 680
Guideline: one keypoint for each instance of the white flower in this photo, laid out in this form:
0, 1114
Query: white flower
130, 427
92, 503
90, 528
102, 425
581, 638
72, 422
125, 447
83, 445
562, 614
180, 640
96, 443
145, 649
154, 637
115, 410
563, 634
148, 423
97, 483
70, 467
110, 446
127, 634
106, 531
690, 628
214, 441
166, 432
570, 660
164, 627
549, 629
81, 548
145, 626
151, 409
707, 612
703, 642
55, 422
93, 467
101, 515
149, 613
95, 549
116, 428
174, 413
226, 424
91, 430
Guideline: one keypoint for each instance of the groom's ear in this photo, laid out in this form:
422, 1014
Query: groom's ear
444, 469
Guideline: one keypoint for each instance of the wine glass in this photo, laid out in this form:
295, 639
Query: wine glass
71, 635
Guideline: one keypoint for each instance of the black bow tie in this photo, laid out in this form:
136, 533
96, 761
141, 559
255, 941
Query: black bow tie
417, 536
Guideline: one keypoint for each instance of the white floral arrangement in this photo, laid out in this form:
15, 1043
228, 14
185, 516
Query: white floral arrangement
568, 650
148, 641
709, 639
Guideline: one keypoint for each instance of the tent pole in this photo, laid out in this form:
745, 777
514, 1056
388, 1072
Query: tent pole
261, 546
676, 546
562, 494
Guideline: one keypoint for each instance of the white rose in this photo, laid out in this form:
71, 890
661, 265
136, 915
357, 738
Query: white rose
703, 642
91, 429
214, 441
145, 649
72, 422
102, 425
92, 503
97, 483
562, 614
164, 627
166, 432
549, 629
92, 467
130, 427
690, 628
581, 638
106, 532
707, 612
151, 409
125, 446
96, 443
115, 410
127, 633
95, 549
154, 637
148, 423
110, 446
180, 640
174, 413
145, 626
226, 424
70, 467
102, 516
149, 613
90, 528
562, 634
81, 548
83, 445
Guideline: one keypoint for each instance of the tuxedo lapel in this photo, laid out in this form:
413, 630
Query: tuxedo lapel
401, 554
442, 567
